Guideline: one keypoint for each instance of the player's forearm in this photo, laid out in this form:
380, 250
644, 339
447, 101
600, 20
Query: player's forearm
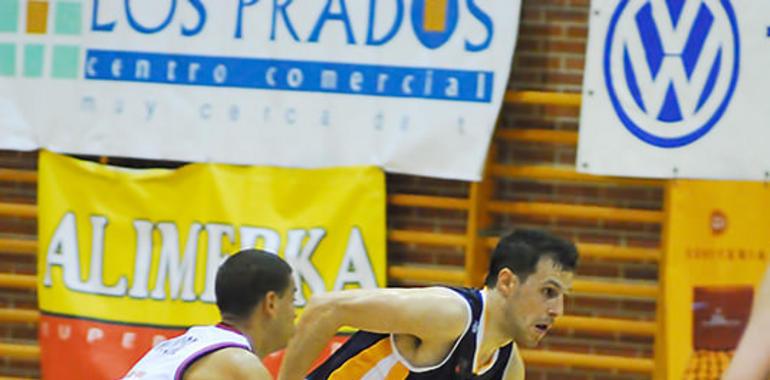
752, 358
749, 363
315, 329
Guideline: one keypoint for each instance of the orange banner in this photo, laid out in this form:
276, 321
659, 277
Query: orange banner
717, 248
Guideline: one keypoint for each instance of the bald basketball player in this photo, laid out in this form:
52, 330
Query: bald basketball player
752, 358
441, 332
255, 296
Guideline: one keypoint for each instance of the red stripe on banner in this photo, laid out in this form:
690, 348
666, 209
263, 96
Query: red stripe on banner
75, 349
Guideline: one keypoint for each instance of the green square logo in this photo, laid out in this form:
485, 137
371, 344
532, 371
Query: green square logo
9, 16
33, 61
68, 19
7, 60
66, 61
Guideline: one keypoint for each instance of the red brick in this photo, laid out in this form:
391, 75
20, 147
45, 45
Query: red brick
598, 269
579, 16
538, 31
578, 31
639, 306
565, 78
532, 15
640, 271
580, 3
596, 303
574, 64
575, 47
539, 61
617, 351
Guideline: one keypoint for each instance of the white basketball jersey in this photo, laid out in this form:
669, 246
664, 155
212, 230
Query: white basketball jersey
169, 359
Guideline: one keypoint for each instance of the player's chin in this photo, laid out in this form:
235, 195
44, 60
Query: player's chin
534, 337
287, 336
529, 341
290, 334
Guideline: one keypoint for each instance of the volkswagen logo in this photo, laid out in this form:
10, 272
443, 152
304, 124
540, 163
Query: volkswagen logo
671, 67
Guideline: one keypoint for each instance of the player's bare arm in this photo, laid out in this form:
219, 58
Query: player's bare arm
752, 358
228, 364
412, 312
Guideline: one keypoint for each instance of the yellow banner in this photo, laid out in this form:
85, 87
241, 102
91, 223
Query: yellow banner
717, 249
143, 246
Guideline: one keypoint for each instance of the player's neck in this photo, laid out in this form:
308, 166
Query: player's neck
254, 335
494, 335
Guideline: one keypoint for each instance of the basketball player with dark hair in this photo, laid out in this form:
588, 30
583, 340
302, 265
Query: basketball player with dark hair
752, 357
255, 296
441, 332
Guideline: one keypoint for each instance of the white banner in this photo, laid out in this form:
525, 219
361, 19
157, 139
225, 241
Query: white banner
414, 86
677, 89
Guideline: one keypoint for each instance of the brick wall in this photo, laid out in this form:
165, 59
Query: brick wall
24, 264
549, 56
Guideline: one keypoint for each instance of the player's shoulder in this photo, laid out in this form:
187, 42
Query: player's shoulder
237, 363
449, 310
463, 300
448, 300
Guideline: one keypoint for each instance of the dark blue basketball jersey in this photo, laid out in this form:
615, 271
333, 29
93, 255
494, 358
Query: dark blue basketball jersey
373, 356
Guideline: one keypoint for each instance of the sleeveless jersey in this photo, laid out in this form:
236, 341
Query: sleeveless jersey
372, 356
169, 359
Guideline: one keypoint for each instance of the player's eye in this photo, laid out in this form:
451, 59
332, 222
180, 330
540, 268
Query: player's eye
550, 292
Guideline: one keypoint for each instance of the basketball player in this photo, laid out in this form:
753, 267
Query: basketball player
440, 332
752, 358
255, 295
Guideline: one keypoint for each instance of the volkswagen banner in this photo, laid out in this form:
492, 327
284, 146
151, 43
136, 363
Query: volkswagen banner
675, 89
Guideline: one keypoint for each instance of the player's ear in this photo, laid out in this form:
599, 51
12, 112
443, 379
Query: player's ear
507, 282
270, 303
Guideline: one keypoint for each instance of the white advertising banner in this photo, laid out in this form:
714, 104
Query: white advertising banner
677, 89
413, 86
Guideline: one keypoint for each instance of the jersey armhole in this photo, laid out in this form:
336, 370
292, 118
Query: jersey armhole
451, 352
514, 352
